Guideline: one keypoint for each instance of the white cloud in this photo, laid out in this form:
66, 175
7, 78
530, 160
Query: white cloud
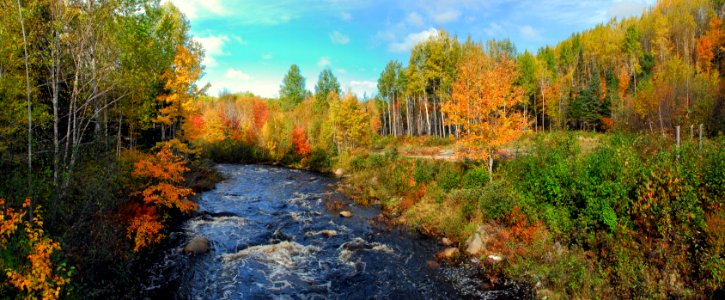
339, 38
213, 47
341, 71
446, 16
345, 16
624, 9
414, 19
323, 62
236, 74
267, 56
529, 33
412, 39
194, 9
363, 87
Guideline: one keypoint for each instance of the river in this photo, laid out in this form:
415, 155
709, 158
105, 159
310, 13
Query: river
271, 236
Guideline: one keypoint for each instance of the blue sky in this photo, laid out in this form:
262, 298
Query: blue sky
250, 44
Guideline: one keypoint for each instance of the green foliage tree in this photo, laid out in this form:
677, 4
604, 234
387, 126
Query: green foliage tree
326, 84
292, 91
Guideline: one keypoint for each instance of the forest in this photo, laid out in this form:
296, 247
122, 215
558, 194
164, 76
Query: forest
593, 167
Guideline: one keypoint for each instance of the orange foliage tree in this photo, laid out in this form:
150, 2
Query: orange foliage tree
710, 43
162, 174
35, 274
302, 145
484, 102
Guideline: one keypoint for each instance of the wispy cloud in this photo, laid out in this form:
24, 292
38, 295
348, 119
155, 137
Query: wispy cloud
446, 16
194, 9
267, 56
323, 62
414, 19
213, 46
529, 33
235, 74
412, 39
345, 16
339, 38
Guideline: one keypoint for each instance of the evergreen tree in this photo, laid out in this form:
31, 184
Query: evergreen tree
292, 91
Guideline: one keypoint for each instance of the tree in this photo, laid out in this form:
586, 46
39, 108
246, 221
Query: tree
32, 272
181, 85
389, 87
292, 91
161, 175
484, 101
347, 124
326, 83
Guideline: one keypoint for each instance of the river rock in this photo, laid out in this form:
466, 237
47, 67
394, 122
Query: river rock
495, 258
447, 253
328, 233
345, 214
446, 242
477, 243
197, 245
432, 264
339, 172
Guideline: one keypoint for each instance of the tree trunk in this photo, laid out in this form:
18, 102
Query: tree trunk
30, 115
427, 115
407, 114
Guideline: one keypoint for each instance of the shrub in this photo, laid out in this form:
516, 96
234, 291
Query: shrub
449, 177
475, 178
424, 171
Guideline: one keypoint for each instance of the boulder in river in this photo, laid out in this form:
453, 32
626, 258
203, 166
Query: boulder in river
345, 214
339, 172
447, 253
328, 233
446, 242
197, 245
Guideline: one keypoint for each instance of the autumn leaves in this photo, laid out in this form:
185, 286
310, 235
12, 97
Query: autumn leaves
485, 104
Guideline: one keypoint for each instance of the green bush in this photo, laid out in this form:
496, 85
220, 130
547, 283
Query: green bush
475, 178
424, 171
449, 177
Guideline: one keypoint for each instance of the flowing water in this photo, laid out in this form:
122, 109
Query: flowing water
272, 237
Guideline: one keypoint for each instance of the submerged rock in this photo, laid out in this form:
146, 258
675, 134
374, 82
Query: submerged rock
432, 264
345, 214
197, 245
447, 253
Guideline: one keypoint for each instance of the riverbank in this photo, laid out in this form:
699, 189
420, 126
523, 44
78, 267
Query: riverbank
570, 215
631, 215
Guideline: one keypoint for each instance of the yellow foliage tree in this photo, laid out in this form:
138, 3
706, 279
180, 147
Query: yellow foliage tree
347, 124
484, 103
181, 87
36, 276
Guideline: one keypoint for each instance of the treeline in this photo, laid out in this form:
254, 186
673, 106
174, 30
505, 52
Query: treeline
81, 83
648, 73
299, 128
